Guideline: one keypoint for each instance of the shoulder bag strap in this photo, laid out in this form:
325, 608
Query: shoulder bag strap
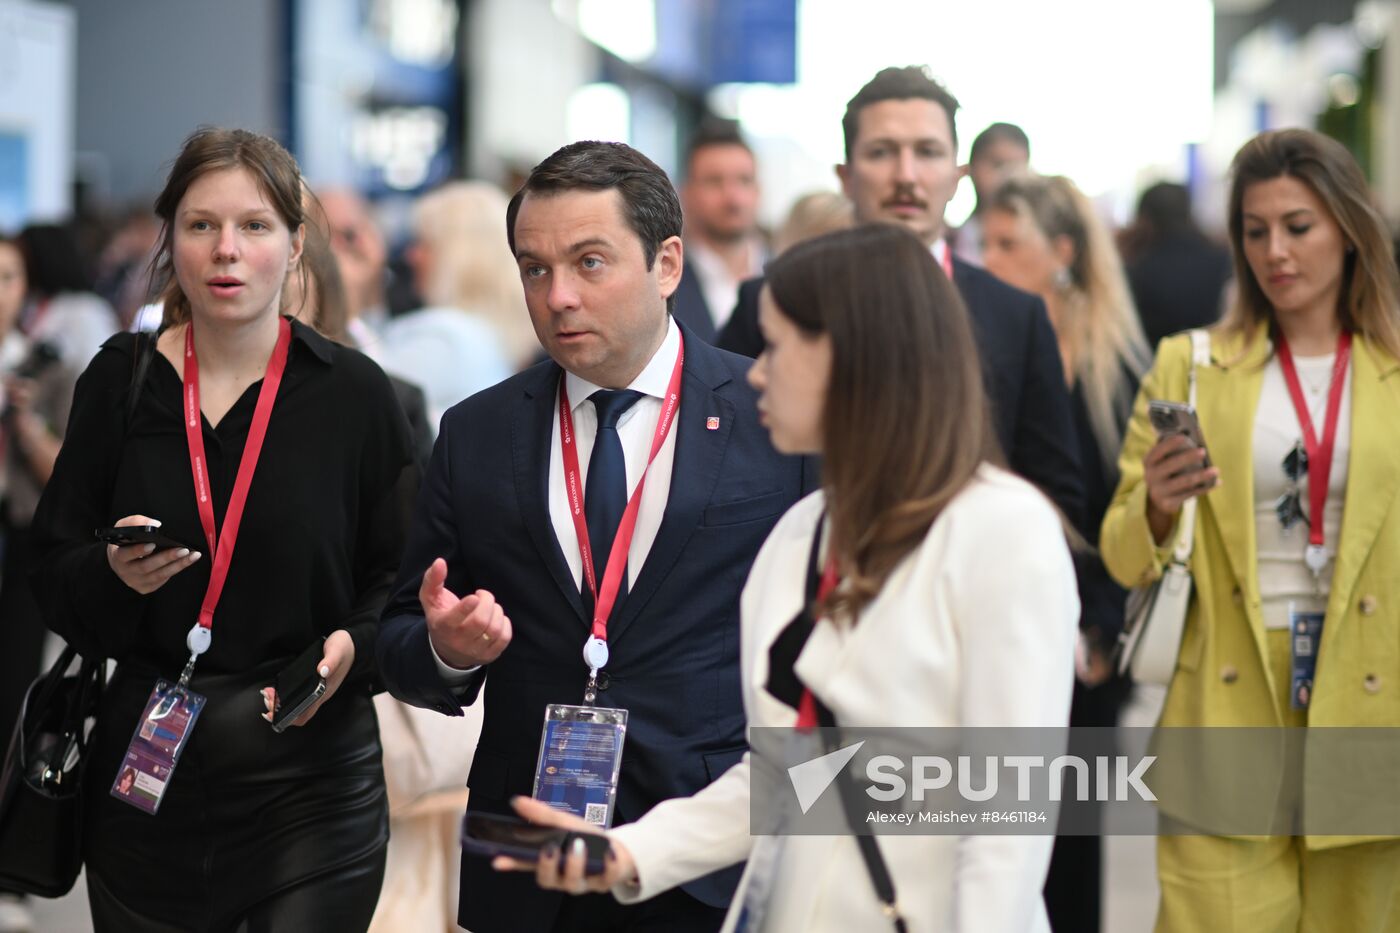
850, 803
1200, 357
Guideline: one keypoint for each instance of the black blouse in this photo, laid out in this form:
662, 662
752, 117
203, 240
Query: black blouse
321, 535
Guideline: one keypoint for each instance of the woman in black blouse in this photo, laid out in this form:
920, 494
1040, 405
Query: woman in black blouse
275, 831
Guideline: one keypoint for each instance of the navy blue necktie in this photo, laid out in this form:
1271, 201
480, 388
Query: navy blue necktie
605, 491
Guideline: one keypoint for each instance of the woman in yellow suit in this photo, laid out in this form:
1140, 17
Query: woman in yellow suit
1307, 362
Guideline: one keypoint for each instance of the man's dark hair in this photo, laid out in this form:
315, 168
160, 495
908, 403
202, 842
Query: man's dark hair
999, 133
713, 132
649, 203
909, 83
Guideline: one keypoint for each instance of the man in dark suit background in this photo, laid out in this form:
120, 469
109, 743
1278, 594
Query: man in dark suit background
595, 230
901, 167
723, 246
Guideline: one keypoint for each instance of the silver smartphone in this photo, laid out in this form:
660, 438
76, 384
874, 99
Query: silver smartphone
1170, 418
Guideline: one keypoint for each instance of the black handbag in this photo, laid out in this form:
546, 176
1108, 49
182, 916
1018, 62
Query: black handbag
41, 783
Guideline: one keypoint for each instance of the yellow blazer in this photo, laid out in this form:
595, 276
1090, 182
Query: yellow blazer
1223, 677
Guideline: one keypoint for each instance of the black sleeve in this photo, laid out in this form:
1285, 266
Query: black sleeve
1045, 448
405, 657
79, 595
741, 334
388, 480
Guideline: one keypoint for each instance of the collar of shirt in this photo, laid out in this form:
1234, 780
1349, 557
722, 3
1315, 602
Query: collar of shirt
939, 250
652, 381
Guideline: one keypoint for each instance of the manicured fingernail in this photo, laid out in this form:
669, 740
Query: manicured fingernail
325, 670
154, 522
195, 556
183, 552
579, 849
147, 549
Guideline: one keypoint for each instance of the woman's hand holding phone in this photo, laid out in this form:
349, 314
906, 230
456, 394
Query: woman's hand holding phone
1173, 473
338, 656
141, 566
564, 871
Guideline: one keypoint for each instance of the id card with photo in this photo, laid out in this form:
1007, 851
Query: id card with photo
155, 747
580, 758
1305, 633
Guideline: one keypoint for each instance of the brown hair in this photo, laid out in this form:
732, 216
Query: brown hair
212, 149
906, 422
1369, 303
329, 312
1100, 322
912, 82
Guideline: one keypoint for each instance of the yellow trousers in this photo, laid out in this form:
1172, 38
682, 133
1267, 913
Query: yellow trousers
1274, 884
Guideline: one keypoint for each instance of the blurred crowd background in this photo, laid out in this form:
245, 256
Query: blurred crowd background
414, 119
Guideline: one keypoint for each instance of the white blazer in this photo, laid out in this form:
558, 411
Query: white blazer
976, 627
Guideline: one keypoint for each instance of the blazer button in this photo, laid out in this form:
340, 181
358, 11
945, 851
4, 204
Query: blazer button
1372, 683
1367, 605
1237, 597
1228, 674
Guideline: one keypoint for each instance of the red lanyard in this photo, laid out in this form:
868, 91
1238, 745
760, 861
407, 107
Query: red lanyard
222, 554
948, 260
807, 706
617, 558
1319, 454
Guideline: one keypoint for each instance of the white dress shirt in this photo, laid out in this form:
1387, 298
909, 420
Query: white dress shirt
717, 283
635, 429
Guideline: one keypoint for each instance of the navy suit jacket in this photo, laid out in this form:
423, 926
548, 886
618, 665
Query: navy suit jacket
690, 308
1020, 365
674, 641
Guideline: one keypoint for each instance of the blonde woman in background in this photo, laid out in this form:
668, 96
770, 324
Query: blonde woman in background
426, 755
473, 330
1042, 235
812, 215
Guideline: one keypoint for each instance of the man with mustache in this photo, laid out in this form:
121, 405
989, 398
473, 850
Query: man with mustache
901, 167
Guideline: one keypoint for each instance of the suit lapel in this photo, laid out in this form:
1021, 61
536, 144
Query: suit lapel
694, 473
1227, 397
530, 446
1373, 471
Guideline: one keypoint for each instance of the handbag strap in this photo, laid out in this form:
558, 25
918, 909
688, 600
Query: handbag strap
869, 847
1185, 539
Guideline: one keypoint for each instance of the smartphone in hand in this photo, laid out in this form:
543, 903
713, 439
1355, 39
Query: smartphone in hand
1170, 418
298, 686
488, 834
126, 535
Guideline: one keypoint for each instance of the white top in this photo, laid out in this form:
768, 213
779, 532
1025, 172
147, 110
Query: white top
75, 324
635, 429
717, 284
450, 353
976, 627
1283, 577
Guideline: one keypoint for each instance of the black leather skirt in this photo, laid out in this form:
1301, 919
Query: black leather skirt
247, 813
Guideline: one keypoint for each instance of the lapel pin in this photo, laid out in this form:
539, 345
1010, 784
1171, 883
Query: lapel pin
712, 424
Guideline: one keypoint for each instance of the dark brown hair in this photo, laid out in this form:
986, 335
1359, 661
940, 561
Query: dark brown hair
649, 203
212, 149
912, 82
906, 421
1369, 302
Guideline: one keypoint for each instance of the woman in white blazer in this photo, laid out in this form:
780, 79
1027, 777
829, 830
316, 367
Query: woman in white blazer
956, 604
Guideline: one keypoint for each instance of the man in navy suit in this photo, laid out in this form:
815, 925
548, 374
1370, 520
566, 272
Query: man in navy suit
492, 590
902, 167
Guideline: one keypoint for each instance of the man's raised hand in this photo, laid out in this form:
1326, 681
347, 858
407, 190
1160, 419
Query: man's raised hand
465, 632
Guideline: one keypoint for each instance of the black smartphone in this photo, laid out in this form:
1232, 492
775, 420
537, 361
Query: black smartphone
298, 685
488, 834
139, 534
1170, 418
